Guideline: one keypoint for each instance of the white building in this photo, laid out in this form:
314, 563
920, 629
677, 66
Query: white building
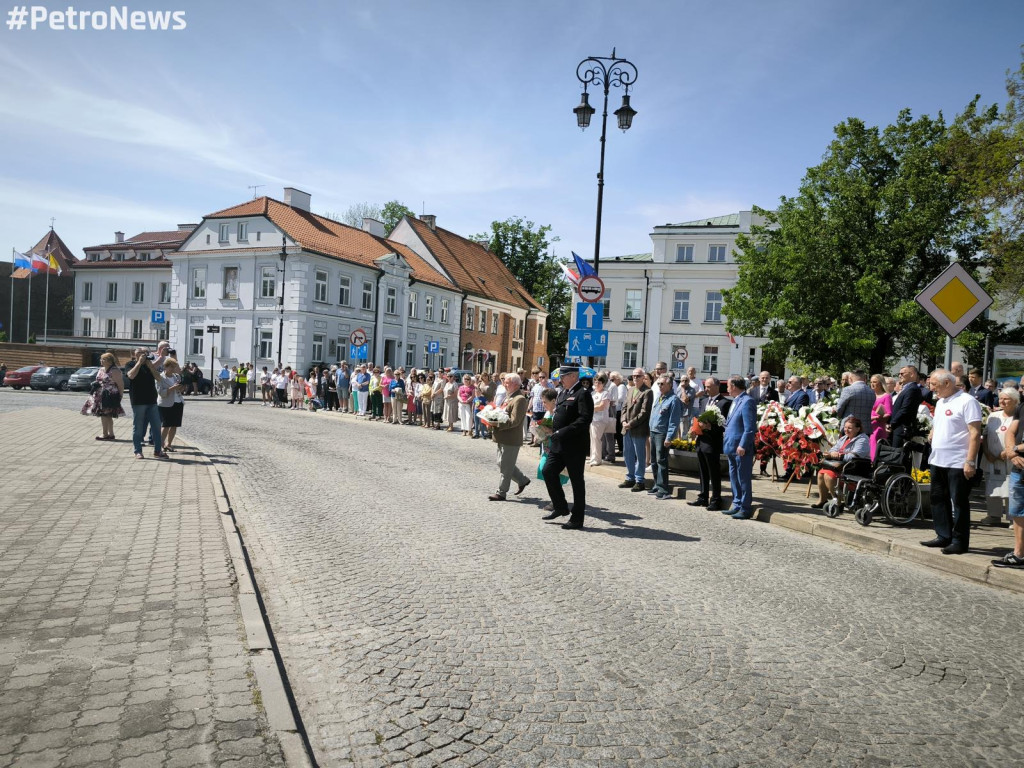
667, 304
119, 284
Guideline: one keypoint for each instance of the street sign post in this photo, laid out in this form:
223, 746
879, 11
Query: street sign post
213, 330
589, 317
583, 343
590, 288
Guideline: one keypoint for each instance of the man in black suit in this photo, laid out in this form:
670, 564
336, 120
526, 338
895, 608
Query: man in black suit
979, 391
709, 451
764, 391
904, 408
570, 441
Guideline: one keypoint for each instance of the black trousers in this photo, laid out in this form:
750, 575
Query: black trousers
571, 459
237, 391
332, 400
710, 467
951, 505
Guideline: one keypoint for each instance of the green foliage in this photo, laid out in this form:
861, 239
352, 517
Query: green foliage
525, 249
32, 338
830, 277
3, 337
391, 213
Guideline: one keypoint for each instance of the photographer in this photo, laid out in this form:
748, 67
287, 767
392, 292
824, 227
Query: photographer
143, 375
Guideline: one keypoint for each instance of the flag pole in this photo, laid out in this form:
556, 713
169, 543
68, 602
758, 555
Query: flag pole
10, 328
28, 316
46, 304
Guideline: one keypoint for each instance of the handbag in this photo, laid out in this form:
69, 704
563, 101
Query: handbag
110, 400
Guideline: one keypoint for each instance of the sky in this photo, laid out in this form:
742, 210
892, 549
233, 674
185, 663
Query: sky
463, 108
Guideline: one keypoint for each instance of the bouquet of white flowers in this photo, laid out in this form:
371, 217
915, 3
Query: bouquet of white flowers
492, 416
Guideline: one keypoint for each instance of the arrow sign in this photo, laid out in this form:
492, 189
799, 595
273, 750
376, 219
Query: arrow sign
589, 317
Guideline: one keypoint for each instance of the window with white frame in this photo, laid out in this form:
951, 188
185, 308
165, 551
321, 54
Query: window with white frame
410, 356
443, 354
118, 257
224, 233
598, 363
111, 293
391, 306
199, 283
111, 328
751, 361
428, 311
629, 352
413, 301
494, 323
165, 293
444, 311
86, 291
87, 326
196, 347
345, 291
136, 329
145, 256
266, 344
606, 305
483, 320
713, 307
230, 282
320, 289
681, 307
710, 359
634, 300
138, 293
470, 315
161, 332
243, 231
716, 254
684, 254
268, 282
367, 294
318, 347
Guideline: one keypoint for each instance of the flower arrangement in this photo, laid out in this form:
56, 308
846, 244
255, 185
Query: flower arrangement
492, 416
683, 444
542, 429
709, 421
924, 422
985, 413
799, 450
922, 476
796, 436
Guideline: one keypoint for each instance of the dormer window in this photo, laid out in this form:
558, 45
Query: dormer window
118, 257
93, 257
144, 256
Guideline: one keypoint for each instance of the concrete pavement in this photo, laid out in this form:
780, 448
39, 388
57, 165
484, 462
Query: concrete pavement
121, 637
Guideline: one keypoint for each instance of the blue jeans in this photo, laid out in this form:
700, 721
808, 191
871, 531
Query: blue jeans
634, 453
951, 505
659, 458
146, 416
741, 473
1016, 494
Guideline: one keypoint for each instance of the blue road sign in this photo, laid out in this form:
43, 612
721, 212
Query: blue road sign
434, 347
589, 316
358, 353
158, 317
588, 343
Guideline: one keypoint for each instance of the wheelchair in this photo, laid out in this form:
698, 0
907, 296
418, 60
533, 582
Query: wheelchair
884, 486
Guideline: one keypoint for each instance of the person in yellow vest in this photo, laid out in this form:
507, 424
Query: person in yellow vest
240, 380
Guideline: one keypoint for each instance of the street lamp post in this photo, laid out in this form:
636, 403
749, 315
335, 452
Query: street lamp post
280, 299
606, 72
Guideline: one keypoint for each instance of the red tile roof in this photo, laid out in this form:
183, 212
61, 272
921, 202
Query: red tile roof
474, 269
331, 238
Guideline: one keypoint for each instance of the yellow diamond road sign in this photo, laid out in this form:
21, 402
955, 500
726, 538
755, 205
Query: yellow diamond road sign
954, 299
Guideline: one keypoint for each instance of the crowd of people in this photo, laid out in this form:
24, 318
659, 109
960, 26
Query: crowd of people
966, 427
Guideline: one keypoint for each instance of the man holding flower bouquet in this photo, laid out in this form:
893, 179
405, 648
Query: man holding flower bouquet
709, 429
507, 432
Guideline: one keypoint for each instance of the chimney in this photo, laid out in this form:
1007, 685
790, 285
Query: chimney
187, 227
374, 227
296, 198
429, 219
119, 237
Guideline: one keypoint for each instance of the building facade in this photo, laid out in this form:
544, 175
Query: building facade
667, 305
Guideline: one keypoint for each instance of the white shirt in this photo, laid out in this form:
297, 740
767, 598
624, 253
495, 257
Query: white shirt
499, 396
950, 438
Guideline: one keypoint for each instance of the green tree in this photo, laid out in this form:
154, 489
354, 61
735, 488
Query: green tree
988, 152
391, 213
525, 249
830, 277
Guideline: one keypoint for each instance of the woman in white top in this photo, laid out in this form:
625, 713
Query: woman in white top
171, 402
601, 421
995, 464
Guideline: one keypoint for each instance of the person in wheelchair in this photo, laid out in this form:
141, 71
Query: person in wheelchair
854, 444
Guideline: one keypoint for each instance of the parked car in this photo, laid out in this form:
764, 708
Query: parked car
21, 377
51, 377
83, 378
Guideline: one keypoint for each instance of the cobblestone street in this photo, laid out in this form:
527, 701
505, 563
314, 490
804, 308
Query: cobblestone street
421, 624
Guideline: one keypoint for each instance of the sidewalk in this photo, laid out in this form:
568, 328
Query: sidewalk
792, 510
121, 636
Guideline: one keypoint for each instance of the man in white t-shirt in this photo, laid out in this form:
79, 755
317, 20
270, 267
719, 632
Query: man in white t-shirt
956, 441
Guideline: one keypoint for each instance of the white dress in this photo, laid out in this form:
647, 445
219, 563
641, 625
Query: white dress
997, 476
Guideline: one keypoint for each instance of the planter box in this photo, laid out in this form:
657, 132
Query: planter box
685, 462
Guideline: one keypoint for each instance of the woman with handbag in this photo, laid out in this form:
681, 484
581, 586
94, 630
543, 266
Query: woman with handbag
107, 391
853, 444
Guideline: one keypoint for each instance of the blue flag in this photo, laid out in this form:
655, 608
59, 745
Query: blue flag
584, 268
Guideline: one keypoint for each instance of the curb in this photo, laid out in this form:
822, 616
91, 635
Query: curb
878, 543
278, 703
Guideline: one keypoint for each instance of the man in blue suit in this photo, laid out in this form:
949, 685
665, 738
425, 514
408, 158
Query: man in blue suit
796, 397
738, 446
